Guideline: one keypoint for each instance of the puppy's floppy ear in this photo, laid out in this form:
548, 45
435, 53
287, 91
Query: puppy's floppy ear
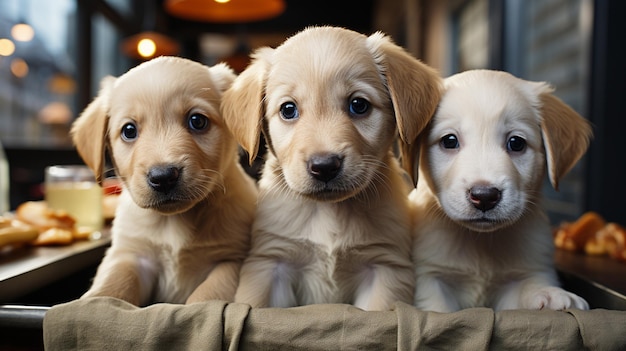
242, 104
89, 131
409, 158
415, 91
223, 76
566, 136
415, 88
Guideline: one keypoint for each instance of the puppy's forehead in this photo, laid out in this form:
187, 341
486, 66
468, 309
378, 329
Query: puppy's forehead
163, 82
325, 51
165, 76
487, 96
163, 92
322, 36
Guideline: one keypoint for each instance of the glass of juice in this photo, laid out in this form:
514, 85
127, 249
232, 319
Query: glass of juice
73, 188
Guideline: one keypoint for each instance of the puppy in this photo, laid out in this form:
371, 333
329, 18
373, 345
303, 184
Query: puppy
481, 237
332, 223
182, 227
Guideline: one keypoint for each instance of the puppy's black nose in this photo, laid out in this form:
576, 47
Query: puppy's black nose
324, 167
163, 178
484, 197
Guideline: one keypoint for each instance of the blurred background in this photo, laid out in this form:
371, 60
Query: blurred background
54, 53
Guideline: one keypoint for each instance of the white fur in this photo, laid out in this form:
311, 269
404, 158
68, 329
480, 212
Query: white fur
500, 257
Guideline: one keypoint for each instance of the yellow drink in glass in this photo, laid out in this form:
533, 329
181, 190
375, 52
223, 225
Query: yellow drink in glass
74, 189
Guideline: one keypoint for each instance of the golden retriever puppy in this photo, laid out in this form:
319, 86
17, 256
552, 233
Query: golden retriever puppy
333, 221
182, 227
481, 237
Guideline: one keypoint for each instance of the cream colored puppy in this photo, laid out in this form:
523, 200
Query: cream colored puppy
482, 238
333, 222
182, 226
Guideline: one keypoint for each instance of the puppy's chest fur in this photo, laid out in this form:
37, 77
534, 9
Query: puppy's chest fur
329, 248
477, 265
175, 253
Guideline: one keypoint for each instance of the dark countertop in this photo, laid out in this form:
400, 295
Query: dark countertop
599, 279
27, 269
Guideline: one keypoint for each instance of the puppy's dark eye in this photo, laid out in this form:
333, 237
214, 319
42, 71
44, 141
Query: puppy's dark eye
198, 122
450, 141
516, 144
129, 132
359, 106
289, 110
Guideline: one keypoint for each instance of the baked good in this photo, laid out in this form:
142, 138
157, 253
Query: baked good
55, 227
574, 236
610, 240
14, 232
38, 214
54, 236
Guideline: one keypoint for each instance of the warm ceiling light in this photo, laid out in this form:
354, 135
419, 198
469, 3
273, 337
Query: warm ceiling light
22, 32
146, 48
7, 48
146, 45
233, 11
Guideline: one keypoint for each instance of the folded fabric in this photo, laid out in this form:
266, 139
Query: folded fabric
104, 323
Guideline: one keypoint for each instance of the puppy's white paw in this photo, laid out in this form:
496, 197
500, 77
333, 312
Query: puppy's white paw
553, 298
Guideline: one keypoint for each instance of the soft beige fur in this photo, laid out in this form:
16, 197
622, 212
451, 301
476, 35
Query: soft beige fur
482, 238
182, 227
333, 223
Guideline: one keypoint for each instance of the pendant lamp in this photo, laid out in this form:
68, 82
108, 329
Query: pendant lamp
225, 11
149, 43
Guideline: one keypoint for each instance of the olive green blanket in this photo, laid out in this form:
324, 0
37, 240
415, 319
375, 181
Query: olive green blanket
111, 324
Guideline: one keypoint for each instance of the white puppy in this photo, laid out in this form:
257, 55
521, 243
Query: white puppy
182, 226
333, 222
481, 237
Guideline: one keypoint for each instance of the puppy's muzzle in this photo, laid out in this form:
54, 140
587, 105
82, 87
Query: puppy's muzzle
324, 167
163, 178
484, 197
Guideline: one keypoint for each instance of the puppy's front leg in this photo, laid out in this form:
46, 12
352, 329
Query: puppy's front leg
125, 278
263, 283
431, 294
538, 292
255, 283
220, 284
383, 285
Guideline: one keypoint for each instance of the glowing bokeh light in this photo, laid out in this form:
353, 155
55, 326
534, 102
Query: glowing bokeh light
146, 47
19, 68
7, 48
22, 32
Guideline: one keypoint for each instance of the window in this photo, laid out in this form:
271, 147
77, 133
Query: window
471, 24
549, 41
39, 78
37, 81
47, 81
